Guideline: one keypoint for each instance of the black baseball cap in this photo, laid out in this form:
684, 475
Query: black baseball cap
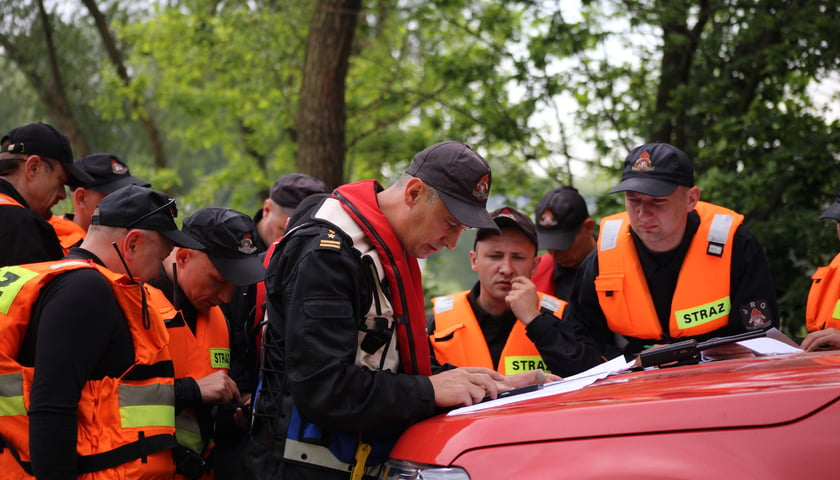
462, 179
833, 210
227, 237
109, 173
655, 169
559, 216
507, 216
289, 190
139, 207
44, 140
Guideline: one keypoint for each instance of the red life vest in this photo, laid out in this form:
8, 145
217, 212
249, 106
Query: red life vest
458, 338
543, 277
701, 301
135, 411
823, 308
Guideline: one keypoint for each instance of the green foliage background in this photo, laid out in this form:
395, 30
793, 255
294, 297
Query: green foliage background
549, 92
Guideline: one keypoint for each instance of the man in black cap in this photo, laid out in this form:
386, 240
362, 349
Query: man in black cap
84, 324
109, 173
503, 323
565, 230
822, 312
283, 198
346, 359
245, 312
671, 267
35, 162
195, 281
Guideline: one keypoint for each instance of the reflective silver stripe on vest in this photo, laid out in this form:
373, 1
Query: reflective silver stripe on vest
11, 395
609, 233
147, 405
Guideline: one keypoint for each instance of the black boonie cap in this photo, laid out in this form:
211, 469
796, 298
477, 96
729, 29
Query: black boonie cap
655, 169
227, 237
289, 190
44, 140
833, 210
139, 207
559, 216
109, 173
509, 217
461, 177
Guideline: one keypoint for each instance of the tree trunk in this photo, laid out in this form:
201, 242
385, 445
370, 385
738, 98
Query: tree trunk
322, 117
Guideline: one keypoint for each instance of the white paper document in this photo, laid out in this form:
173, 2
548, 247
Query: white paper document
768, 346
568, 384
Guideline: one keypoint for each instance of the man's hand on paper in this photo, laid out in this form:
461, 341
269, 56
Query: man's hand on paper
524, 379
828, 339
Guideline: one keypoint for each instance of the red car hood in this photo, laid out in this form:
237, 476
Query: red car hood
727, 394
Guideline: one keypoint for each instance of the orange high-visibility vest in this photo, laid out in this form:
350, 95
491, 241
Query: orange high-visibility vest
823, 308
701, 301
196, 356
8, 200
69, 232
135, 411
458, 338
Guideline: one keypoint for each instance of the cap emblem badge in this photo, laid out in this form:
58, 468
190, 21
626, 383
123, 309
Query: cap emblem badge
547, 219
482, 188
118, 168
246, 245
643, 163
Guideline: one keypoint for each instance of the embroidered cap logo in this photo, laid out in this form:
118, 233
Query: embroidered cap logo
118, 168
547, 219
246, 245
482, 188
643, 163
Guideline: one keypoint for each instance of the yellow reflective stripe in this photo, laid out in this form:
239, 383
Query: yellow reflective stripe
836, 313
147, 416
188, 432
11, 395
523, 363
220, 357
147, 405
12, 279
692, 317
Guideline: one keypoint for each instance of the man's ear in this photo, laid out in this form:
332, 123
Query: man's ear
31, 166
131, 243
473, 259
588, 225
415, 191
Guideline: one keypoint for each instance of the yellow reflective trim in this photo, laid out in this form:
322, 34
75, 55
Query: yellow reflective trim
836, 313
11, 406
12, 279
523, 363
188, 432
147, 416
220, 357
692, 317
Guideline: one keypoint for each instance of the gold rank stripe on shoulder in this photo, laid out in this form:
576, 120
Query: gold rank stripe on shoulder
330, 243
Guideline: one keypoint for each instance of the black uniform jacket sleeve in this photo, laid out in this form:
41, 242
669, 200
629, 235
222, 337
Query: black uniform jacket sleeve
318, 292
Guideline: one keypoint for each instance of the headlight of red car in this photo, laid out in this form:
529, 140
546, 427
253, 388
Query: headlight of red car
401, 470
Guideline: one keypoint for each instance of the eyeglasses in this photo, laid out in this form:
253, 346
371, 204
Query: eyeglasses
170, 205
